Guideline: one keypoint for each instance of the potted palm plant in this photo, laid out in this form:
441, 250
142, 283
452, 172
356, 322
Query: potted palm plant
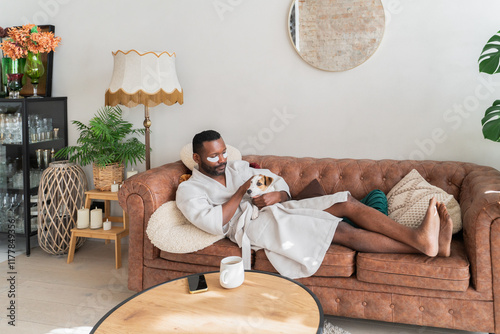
108, 144
489, 62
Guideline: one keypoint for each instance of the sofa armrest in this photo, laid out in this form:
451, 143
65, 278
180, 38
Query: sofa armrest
140, 196
479, 202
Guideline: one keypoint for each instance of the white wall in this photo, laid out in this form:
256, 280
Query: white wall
419, 96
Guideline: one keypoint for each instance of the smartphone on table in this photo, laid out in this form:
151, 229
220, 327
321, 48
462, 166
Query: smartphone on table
197, 283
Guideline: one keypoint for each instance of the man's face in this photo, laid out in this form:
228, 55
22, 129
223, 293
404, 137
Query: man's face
212, 159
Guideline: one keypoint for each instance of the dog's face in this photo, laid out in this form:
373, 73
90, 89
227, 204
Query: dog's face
259, 185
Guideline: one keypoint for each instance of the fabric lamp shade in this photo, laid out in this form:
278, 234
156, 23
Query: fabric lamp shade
147, 78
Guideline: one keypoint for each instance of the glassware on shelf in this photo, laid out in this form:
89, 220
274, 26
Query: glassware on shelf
11, 170
3, 127
7, 139
32, 119
3, 215
17, 182
3, 167
46, 158
35, 176
34, 223
41, 129
17, 128
19, 208
11, 128
39, 157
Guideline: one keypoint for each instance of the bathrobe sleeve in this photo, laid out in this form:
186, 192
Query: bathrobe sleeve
194, 203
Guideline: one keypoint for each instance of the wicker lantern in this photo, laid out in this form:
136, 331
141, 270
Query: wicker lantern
60, 194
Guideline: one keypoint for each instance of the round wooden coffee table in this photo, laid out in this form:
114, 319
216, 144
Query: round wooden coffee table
264, 303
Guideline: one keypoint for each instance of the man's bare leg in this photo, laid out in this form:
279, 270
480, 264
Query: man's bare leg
368, 241
445, 230
425, 238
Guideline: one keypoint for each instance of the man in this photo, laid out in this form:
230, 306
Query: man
294, 234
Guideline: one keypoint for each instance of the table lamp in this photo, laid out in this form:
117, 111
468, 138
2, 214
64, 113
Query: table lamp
147, 78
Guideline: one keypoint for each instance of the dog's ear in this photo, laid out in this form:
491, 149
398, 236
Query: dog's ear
268, 180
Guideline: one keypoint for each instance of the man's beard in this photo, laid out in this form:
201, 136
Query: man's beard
214, 171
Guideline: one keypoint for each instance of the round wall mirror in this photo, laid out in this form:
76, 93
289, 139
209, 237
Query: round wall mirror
336, 35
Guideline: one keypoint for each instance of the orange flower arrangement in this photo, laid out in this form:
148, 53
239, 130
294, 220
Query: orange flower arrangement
22, 40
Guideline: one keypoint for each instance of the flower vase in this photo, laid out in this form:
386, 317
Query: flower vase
15, 84
34, 70
10, 66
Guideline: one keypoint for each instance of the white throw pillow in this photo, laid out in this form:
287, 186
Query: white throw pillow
170, 231
409, 199
187, 155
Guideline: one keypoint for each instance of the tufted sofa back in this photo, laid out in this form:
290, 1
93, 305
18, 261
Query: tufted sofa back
360, 176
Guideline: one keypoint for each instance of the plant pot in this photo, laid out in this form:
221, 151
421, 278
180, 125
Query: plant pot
104, 177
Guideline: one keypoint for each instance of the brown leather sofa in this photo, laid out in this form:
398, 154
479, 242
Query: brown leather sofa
459, 292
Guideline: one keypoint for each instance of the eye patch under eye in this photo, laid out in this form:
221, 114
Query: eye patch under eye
216, 159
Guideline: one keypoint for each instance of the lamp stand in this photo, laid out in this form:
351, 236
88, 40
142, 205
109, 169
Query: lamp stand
147, 125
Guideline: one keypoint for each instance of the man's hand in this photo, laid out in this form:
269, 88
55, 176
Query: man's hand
244, 187
229, 208
270, 199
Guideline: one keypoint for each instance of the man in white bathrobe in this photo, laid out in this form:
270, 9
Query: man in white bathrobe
294, 234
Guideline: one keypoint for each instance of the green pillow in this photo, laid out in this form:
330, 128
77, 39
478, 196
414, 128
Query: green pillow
375, 199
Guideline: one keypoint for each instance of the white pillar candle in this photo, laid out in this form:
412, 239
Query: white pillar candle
106, 225
131, 173
82, 218
114, 187
96, 218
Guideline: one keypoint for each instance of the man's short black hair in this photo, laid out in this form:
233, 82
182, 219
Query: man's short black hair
200, 138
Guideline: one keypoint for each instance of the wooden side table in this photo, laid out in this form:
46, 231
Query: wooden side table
116, 233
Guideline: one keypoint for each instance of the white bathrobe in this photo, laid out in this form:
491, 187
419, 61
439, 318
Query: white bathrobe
294, 234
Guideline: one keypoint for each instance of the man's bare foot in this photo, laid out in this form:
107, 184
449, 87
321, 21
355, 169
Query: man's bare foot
445, 230
428, 231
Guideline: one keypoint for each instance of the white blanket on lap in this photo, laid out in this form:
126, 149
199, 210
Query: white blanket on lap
170, 231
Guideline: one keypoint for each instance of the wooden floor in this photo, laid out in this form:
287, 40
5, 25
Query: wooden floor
53, 297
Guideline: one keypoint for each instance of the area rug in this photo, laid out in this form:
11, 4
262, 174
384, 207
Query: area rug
328, 328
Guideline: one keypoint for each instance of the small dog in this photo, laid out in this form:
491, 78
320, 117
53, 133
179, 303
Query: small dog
259, 185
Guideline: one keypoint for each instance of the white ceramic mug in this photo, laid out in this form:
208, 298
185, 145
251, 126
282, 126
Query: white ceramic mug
232, 273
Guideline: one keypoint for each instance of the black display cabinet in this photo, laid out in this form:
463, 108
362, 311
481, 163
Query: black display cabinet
31, 131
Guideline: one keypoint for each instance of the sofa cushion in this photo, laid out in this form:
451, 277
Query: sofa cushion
338, 262
170, 231
409, 199
209, 256
313, 189
416, 270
